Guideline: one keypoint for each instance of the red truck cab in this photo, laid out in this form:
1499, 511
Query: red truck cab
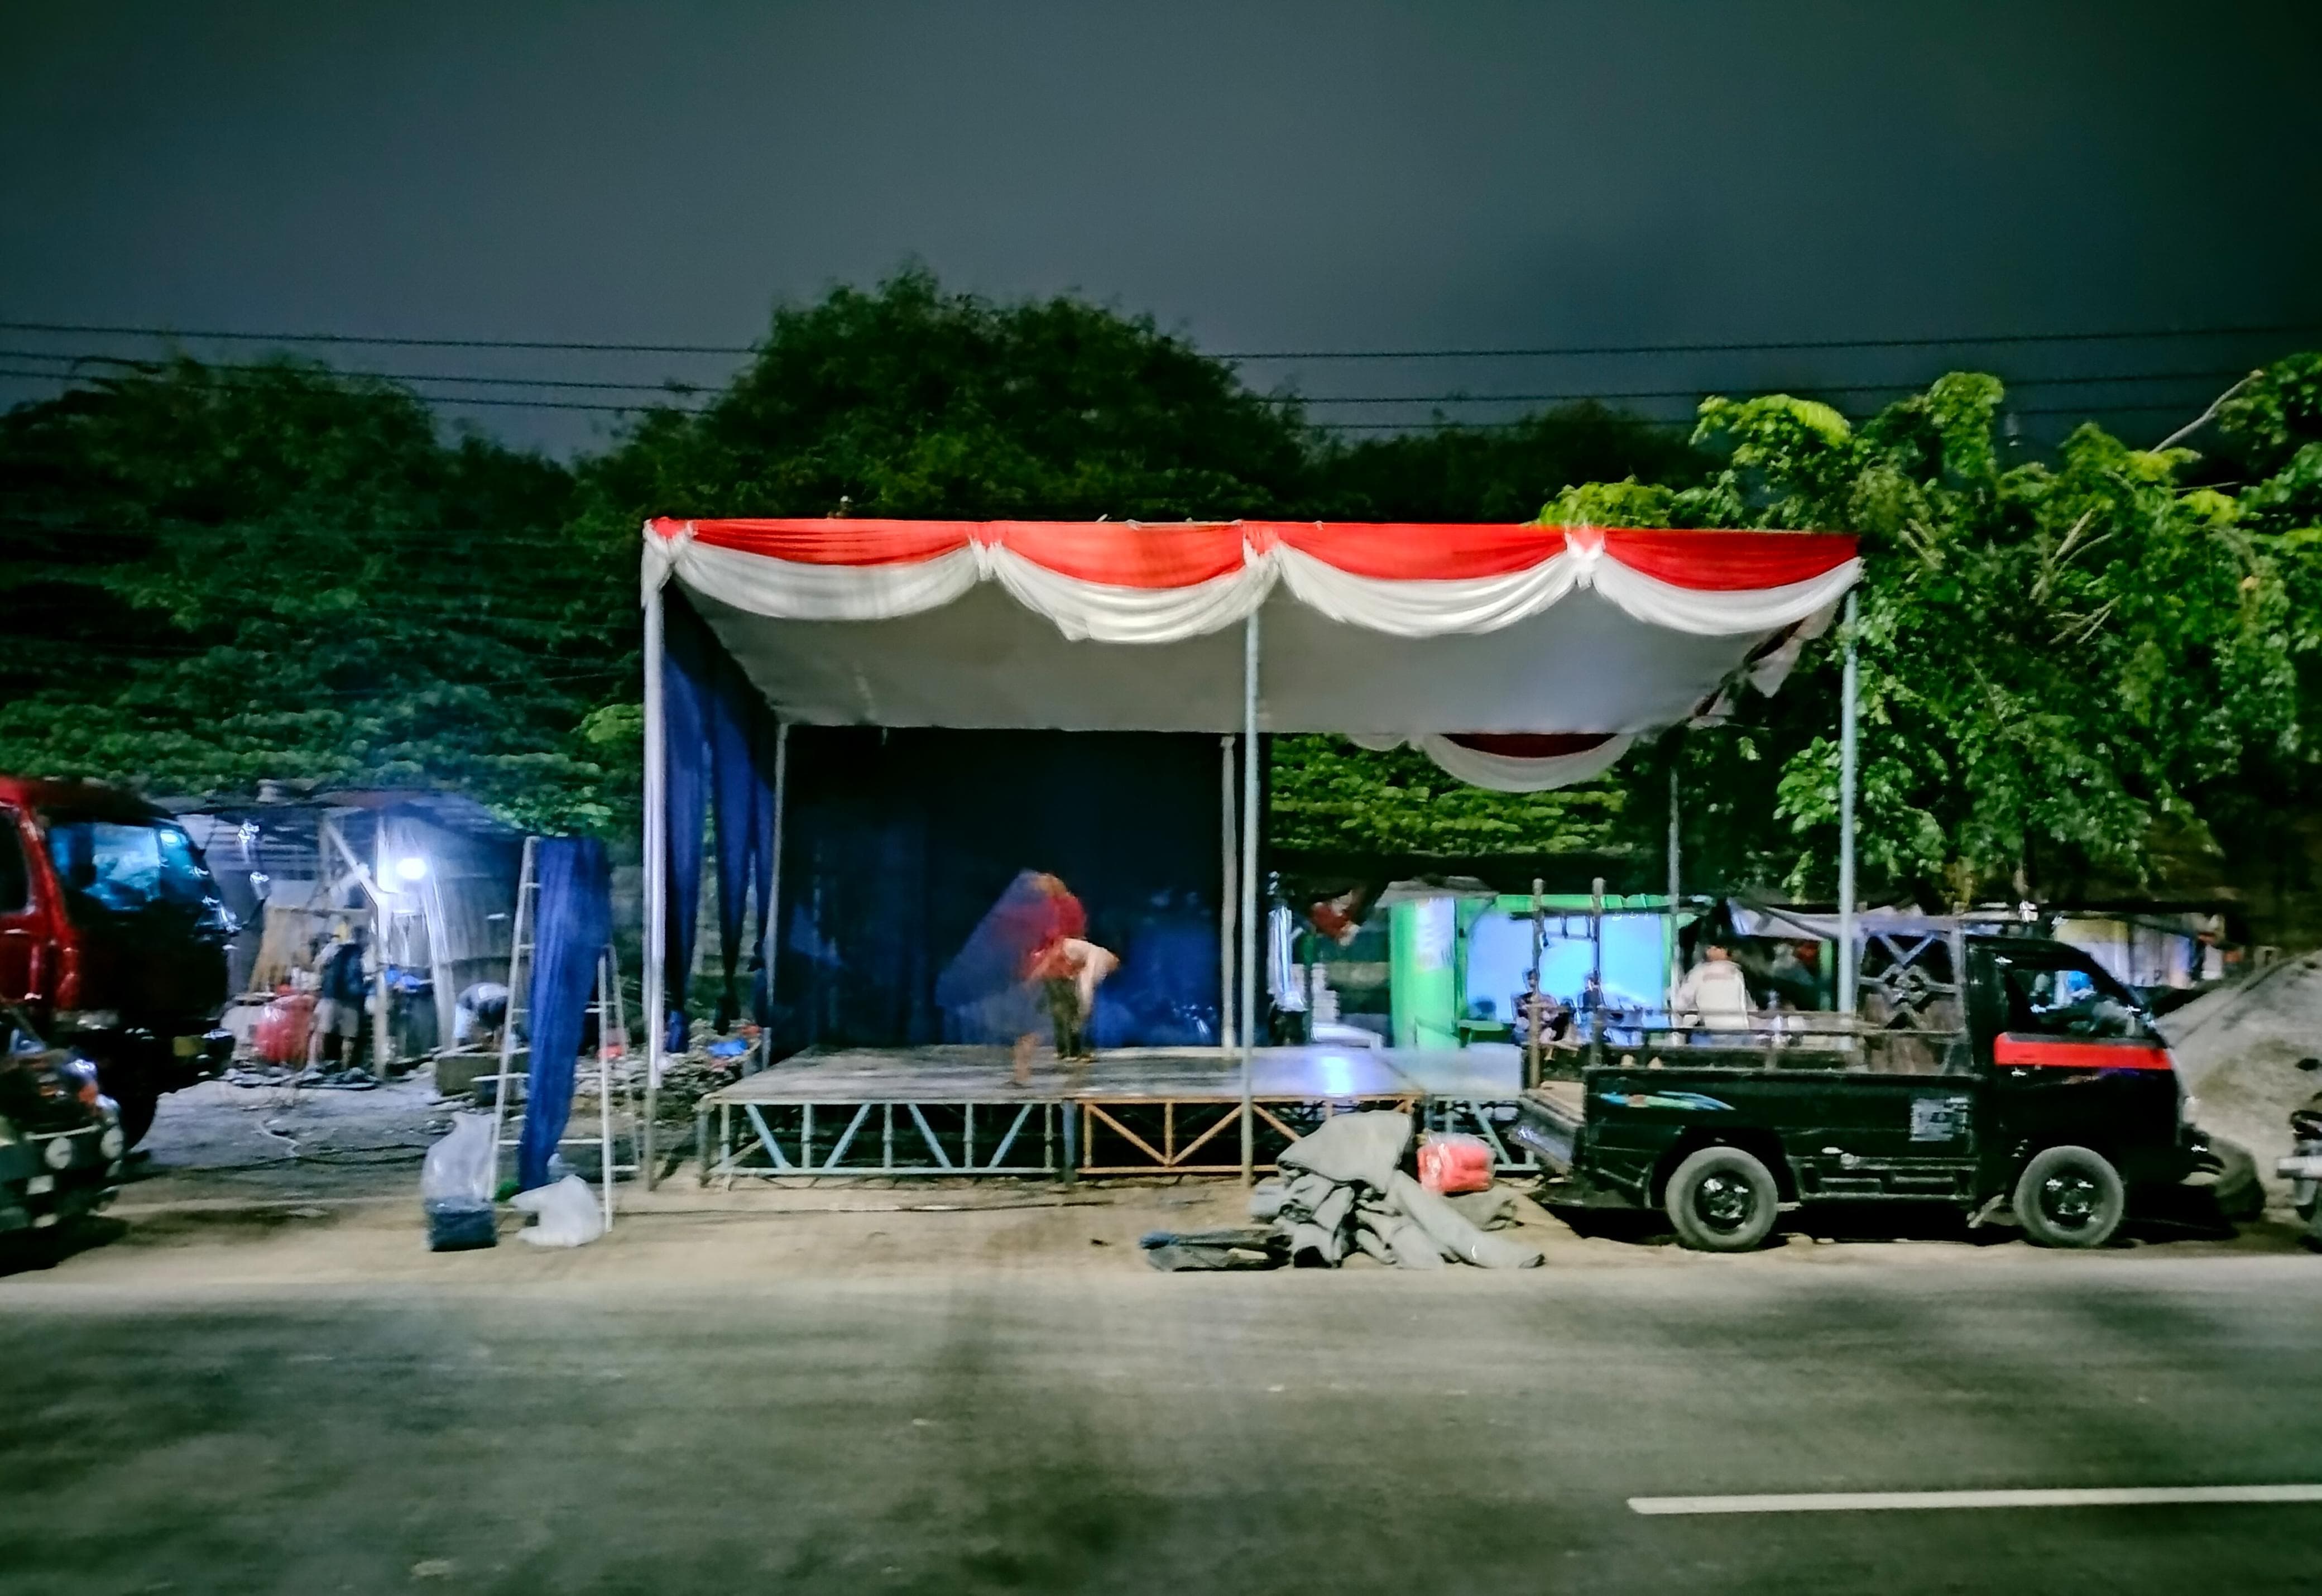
113, 937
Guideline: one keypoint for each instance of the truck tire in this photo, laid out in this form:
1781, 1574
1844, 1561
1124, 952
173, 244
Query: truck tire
2070, 1196
1722, 1200
2232, 1181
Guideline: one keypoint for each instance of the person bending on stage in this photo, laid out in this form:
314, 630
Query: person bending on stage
1067, 968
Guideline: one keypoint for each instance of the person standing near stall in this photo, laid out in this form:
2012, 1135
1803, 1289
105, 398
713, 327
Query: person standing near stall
338, 1000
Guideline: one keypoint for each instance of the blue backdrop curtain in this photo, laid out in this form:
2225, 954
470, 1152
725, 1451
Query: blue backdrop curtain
575, 920
898, 841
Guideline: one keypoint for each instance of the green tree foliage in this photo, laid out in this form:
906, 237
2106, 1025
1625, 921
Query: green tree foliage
224, 575
1330, 796
905, 400
1497, 473
2057, 657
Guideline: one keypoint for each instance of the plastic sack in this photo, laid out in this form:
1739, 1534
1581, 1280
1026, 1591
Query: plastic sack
568, 1210
459, 1168
455, 1187
1455, 1163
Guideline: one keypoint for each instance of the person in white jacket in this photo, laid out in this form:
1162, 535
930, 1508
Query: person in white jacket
1714, 995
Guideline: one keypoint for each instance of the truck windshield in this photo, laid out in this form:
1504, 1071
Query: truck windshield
2067, 1001
127, 866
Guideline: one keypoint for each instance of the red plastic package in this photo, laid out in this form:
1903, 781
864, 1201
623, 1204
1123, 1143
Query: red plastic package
1455, 1163
280, 1036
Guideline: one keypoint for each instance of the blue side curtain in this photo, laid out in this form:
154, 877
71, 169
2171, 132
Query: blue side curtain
689, 659
721, 742
575, 922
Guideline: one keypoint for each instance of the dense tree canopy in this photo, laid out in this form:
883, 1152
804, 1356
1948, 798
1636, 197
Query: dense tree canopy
909, 401
217, 575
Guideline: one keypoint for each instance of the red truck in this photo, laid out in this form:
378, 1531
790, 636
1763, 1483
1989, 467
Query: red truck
113, 938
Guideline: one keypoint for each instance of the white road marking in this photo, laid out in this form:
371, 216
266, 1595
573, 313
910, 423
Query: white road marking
1875, 1501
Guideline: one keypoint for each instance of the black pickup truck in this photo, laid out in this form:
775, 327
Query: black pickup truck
1984, 1071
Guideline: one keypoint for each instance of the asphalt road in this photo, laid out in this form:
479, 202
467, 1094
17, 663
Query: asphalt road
980, 1428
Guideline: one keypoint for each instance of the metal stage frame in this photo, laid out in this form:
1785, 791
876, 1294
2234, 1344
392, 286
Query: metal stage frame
955, 1110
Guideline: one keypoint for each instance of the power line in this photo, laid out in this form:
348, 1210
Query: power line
151, 367
1549, 398
1695, 392
1709, 346
1774, 343
447, 399
2088, 410
128, 332
682, 389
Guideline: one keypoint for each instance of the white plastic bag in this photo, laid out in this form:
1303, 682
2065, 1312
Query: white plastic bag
568, 1210
455, 1187
459, 1167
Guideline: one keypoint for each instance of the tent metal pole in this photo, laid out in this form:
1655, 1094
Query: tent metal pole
1849, 738
656, 863
1230, 892
1675, 843
1249, 754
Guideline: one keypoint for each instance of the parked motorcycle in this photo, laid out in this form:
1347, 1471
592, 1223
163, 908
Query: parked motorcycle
2303, 1167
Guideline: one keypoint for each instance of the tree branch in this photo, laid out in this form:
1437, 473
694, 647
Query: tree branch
2206, 417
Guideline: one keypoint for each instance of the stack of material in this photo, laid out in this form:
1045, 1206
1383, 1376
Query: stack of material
1343, 1191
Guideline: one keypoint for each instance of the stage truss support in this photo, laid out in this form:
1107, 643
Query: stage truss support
746, 1137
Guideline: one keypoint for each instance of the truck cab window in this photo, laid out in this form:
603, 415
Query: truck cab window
128, 868
15, 883
2068, 1001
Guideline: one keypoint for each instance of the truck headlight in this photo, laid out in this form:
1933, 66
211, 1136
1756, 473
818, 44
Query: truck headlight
112, 1144
58, 1153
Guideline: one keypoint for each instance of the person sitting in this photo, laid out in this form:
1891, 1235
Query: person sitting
1714, 994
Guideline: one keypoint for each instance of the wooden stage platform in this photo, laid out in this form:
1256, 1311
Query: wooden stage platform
1136, 1111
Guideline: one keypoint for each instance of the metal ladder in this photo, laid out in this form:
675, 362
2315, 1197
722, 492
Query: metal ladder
612, 1042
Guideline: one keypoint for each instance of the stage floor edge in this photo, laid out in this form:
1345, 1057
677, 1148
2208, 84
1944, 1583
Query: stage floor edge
955, 1111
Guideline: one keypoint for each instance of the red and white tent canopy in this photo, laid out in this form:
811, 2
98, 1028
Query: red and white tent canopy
1431, 634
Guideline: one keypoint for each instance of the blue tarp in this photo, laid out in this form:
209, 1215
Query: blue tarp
575, 922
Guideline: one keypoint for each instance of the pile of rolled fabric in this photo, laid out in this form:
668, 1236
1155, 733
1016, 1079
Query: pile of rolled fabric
1343, 1191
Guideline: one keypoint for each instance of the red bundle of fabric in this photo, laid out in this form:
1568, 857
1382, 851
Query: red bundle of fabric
1455, 1163
280, 1034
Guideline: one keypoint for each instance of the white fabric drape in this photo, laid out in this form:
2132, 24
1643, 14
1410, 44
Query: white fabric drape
787, 590
1718, 612
1430, 608
790, 589
1108, 614
1502, 773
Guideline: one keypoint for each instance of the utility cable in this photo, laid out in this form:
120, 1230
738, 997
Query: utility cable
1484, 352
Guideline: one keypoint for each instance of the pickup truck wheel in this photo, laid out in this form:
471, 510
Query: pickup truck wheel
1722, 1200
2068, 1197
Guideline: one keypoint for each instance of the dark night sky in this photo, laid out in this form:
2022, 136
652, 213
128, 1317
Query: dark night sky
1262, 176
